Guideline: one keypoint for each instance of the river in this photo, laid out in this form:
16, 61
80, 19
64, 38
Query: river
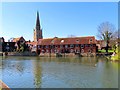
69, 72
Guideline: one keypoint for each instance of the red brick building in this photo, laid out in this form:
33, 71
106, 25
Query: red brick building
82, 45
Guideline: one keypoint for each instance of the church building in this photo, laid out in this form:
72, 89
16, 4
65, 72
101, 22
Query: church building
37, 30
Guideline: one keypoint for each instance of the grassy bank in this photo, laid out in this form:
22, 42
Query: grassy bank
116, 56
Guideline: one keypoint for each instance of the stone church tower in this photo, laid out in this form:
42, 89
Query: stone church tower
37, 30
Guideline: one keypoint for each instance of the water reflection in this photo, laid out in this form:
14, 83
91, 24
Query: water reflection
37, 71
43, 72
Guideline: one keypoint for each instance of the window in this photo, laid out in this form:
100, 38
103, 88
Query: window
91, 40
47, 51
91, 45
77, 40
77, 45
89, 50
66, 46
52, 46
42, 46
62, 41
47, 46
61, 46
71, 46
71, 50
82, 46
38, 46
86, 45
7, 44
56, 46
82, 51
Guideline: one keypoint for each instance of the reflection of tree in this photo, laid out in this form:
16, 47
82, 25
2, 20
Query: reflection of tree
37, 74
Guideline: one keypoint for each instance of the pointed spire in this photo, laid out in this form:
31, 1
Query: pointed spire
38, 21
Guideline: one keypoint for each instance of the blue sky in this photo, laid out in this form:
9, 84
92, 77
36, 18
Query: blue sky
57, 18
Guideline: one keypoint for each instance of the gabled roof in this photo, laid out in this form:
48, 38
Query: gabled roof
17, 39
63, 41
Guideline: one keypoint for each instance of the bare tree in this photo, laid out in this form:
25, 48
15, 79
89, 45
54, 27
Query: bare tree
106, 32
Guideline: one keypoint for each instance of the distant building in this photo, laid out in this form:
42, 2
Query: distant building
12, 44
8, 46
101, 44
1, 43
32, 46
37, 30
19, 39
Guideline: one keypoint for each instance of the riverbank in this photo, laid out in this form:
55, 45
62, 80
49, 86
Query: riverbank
26, 53
3, 86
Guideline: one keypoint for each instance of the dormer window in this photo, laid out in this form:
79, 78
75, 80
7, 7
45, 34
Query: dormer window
77, 40
91, 40
62, 41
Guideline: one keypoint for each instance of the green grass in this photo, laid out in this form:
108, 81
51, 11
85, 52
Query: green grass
117, 56
103, 51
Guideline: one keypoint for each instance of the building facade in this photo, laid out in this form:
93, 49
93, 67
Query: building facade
76, 45
37, 30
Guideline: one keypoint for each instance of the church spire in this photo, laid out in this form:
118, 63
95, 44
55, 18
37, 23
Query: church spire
37, 20
37, 30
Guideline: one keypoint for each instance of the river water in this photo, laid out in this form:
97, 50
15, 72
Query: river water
46, 72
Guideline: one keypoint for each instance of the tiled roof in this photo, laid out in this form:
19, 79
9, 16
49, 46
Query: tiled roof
17, 39
31, 43
62, 41
100, 41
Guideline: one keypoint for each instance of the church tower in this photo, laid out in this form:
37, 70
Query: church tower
37, 30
